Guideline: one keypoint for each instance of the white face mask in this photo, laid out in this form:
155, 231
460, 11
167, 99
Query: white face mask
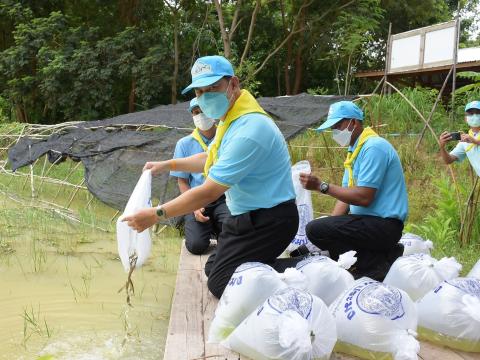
202, 122
343, 137
473, 120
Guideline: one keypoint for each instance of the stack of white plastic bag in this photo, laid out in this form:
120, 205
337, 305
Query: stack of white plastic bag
417, 274
304, 206
129, 241
290, 325
250, 285
414, 244
327, 278
449, 315
475, 272
376, 321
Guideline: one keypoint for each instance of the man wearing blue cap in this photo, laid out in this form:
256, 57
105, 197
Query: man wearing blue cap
372, 202
200, 225
249, 162
468, 146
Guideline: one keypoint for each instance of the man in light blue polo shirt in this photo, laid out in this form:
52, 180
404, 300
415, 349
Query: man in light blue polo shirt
249, 162
469, 144
206, 222
372, 202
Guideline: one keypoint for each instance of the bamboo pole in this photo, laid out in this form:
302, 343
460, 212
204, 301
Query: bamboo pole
75, 193
439, 96
71, 171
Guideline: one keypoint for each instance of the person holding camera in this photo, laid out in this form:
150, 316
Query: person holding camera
468, 146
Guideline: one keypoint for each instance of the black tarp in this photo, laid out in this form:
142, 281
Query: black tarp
114, 154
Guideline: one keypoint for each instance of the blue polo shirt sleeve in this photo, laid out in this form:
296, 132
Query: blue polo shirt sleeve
180, 152
373, 165
345, 179
237, 160
459, 152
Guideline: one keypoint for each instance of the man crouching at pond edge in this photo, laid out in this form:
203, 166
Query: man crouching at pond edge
372, 202
248, 161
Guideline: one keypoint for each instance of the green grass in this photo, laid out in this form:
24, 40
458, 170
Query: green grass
430, 188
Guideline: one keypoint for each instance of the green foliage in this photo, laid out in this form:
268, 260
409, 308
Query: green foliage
66, 60
472, 75
399, 115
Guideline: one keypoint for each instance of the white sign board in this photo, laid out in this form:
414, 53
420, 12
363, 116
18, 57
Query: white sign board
439, 46
422, 48
405, 52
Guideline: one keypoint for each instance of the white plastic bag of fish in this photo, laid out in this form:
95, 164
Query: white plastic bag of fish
475, 272
250, 285
304, 206
327, 278
376, 321
294, 278
414, 244
129, 241
449, 315
417, 274
290, 325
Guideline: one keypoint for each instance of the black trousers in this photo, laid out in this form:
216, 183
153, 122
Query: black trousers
259, 235
372, 237
198, 234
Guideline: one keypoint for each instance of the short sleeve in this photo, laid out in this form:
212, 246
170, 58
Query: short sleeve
180, 152
372, 167
345, 179
459, 152
237, 160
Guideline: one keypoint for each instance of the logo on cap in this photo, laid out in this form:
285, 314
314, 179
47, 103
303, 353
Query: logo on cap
200, 69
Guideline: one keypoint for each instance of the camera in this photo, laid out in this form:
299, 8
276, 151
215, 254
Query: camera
455, 135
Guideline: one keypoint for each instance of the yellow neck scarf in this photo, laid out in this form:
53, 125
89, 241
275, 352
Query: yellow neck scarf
245, 104
470, 147
351, 156
196, 135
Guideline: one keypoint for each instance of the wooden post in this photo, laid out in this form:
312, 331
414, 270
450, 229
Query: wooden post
455, 55
387, 57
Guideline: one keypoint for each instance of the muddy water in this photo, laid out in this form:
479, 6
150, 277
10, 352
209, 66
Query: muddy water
59, 291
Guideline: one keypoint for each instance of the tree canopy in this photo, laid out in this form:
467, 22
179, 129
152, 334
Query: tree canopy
64, 60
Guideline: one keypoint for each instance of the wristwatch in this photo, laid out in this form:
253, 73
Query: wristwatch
324, 187
161, 213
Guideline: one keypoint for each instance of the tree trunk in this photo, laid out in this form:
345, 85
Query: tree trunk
298, 57
20, 113
288, 61
286, 65
250, 31
131, 97
223, 31
175, 66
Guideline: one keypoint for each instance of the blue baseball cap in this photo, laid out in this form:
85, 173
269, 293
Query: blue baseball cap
339, 111
472, 105
193, 104
208, 70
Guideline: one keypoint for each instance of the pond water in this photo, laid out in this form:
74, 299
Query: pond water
59, 286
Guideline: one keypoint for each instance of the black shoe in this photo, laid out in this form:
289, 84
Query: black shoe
395, 253
381, 270
300, 251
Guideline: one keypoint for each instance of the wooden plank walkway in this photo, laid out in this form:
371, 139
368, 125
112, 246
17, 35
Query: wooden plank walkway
193, 308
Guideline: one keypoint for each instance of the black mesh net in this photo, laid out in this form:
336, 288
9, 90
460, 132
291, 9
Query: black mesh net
115, 150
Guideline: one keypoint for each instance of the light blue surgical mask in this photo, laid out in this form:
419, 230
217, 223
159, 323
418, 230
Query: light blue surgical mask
473, 120
214, 104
